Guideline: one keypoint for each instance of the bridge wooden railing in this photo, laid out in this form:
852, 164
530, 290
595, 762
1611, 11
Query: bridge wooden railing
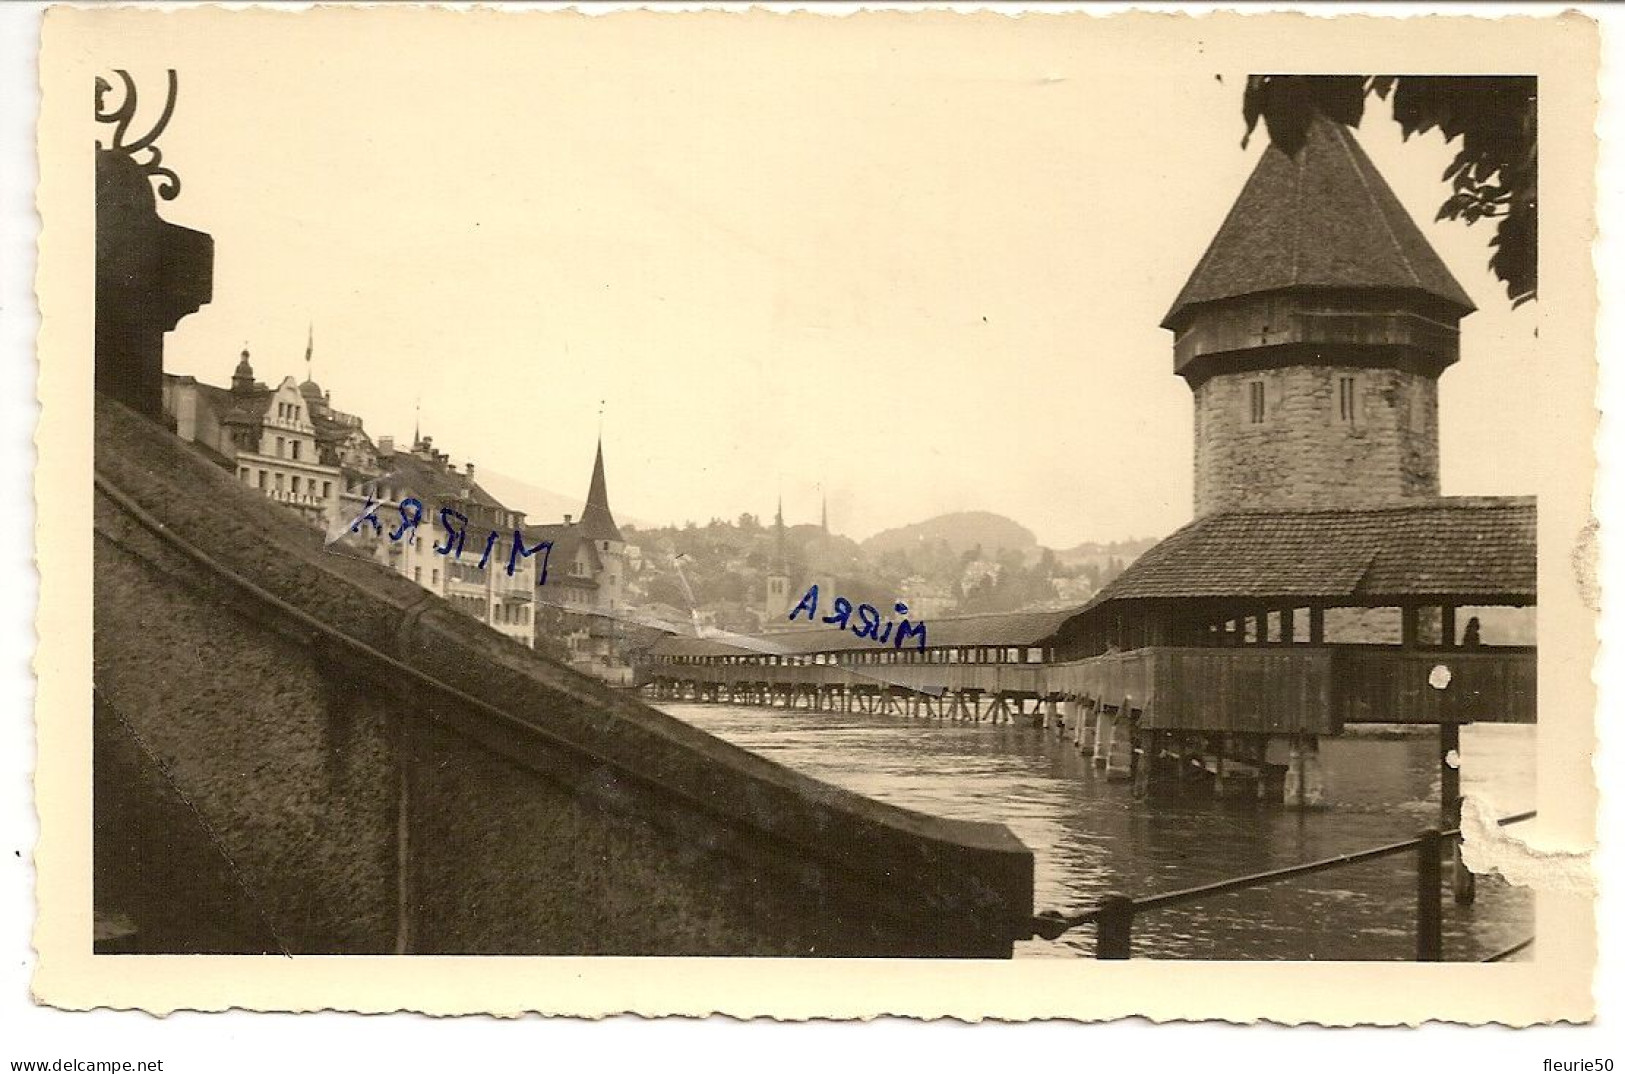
1391, 685
1263, 689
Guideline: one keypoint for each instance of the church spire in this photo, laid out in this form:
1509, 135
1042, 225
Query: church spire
597, 522
778, 539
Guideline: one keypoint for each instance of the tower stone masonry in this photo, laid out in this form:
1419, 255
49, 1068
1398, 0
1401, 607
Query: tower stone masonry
1313, 333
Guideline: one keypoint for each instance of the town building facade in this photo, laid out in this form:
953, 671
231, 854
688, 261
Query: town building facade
290, 443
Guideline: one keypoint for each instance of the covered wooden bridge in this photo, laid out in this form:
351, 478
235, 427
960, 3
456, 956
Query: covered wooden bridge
1219, 657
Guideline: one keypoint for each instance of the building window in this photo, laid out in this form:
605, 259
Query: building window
295, 446
262, 479
1345, 399
417, 575
279, 445
295, 484
242, 472
434, 576
327, 489
278, 478
1255, 402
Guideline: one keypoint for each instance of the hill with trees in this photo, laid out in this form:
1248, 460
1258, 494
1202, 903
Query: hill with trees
953, 564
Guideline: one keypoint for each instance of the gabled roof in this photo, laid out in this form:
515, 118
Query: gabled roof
433, 484
329, 431
1323, 218
568, 542
1454, 548
237, 407
596, 521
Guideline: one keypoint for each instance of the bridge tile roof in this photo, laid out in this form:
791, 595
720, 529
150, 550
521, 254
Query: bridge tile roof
992, 629
1451, 547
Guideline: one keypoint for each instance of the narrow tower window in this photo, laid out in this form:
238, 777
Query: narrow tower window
1345, 399
1255, 402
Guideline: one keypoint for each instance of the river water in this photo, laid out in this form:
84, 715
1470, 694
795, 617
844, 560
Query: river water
1090, 837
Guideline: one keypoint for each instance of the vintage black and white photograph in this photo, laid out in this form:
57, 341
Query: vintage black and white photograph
894, 488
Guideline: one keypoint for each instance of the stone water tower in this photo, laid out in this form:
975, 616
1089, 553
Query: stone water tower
1312, 334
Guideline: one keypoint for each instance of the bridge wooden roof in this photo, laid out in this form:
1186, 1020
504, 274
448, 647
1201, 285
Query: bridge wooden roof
1465, 549
993, 629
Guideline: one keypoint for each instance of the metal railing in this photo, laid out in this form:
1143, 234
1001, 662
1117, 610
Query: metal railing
1114, 917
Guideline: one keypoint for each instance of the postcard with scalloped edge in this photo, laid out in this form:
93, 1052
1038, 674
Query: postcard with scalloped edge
919, 513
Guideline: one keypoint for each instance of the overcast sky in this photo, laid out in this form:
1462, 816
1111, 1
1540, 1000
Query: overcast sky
919, 265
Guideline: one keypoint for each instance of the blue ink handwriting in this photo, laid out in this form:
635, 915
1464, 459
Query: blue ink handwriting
868, 623
411, 512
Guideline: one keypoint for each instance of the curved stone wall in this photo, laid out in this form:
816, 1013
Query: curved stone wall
374, 772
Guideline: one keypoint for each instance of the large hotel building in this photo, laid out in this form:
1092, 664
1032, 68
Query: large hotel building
289, 442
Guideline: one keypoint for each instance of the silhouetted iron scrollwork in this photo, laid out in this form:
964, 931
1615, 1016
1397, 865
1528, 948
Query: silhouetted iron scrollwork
122, 116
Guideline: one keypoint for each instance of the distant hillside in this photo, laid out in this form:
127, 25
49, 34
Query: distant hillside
960, 531
1099, 552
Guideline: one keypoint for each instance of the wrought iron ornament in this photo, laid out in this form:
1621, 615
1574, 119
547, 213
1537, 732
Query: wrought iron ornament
121, 117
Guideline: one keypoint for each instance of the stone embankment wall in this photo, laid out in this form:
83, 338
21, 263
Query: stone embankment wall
301, 751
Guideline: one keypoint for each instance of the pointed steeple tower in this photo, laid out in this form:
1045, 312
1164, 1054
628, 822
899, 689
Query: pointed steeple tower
777, 596
778, 537
597, 522
1313, 333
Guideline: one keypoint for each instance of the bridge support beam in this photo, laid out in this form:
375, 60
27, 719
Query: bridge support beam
1084, 717
1463, 885
1120, 751
1305, 785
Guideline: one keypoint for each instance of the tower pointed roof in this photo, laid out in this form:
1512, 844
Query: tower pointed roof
778, 539
597, 523
1323, 217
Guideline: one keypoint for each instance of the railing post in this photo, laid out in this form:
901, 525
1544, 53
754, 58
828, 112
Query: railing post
1429, 913
1114, 927
1462, 882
